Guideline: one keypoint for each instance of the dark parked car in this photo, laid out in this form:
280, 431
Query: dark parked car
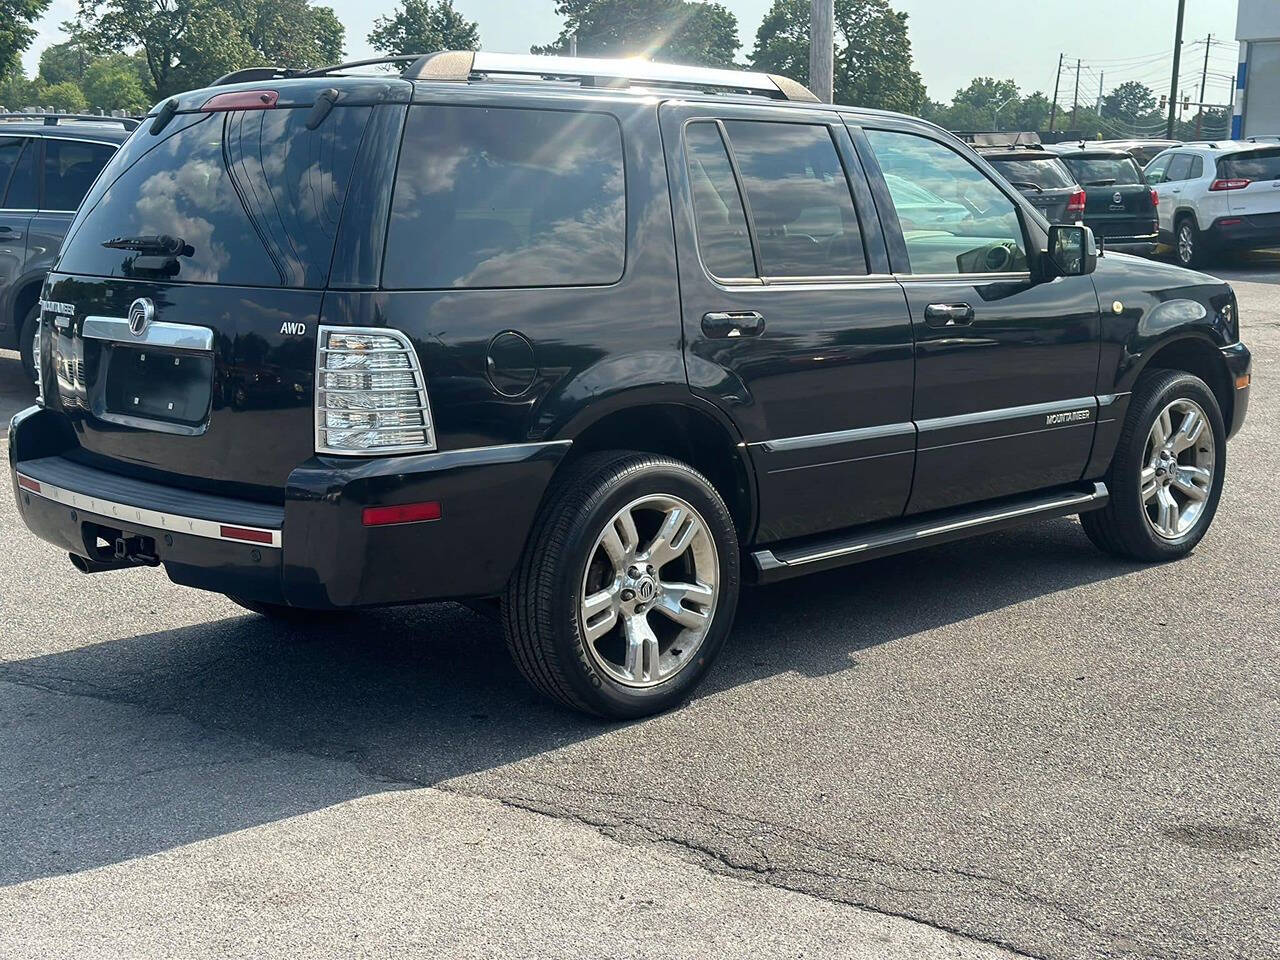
47, 163
1043, 179
602, 339
1142, 151
1120, 206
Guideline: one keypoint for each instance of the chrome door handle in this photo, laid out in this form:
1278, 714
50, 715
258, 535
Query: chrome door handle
948, 314
734, 323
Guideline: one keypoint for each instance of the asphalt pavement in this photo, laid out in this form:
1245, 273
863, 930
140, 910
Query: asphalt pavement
1006, 746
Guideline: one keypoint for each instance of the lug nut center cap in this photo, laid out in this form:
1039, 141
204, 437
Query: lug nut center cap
646, 589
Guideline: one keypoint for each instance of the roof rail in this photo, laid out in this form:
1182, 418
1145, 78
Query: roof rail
53, 119
460, 65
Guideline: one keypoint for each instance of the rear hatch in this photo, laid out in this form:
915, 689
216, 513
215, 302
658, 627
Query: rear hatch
1254, 180
1117, 197
182, 312
1043, 180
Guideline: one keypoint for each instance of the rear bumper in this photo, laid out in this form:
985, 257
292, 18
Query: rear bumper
1245, 233
313, 550
1142, 246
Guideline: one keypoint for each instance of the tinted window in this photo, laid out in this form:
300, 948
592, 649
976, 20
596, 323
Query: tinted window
70, 167
954, 219
23, 193
1179, 167
254, 194
1260, 165
1104, 171
1047, 174
799, 197
1197, 168
507, 198
723, 239
10, 151
1155, 172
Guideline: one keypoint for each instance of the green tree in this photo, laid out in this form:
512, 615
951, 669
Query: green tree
873, 65
16, 91
190, 43
112, 83
65, 61
421, 26
16, 31
1129, 102
675, 31
64, 96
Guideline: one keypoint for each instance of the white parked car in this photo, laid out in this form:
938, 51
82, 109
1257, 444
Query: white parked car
1222, 195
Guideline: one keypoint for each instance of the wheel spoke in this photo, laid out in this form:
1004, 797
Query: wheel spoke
1167, 517
641, 662
1162, 428
673, 537
599, 613
1150, 485
1189, 432
671, 606
620, 540
1194, 482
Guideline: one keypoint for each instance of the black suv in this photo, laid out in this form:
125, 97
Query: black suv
602, 339
1120, 206
47, 164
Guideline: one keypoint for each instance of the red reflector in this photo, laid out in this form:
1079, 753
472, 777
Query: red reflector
28, 483
402, 513
242, 533
242, 100
1230, 222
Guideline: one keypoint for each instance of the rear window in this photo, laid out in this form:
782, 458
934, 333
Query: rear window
1104, 171
507, 198
1045, 173
254, 194
1258, 165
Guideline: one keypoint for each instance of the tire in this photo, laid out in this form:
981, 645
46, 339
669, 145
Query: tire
26, 343
1190, 248
1127, 526
283, 613
644, 644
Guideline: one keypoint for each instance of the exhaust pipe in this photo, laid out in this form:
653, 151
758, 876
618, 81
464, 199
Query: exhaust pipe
85, 565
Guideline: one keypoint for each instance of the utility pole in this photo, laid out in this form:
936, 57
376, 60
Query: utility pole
1204, 76
822, 38
1177, 62
1098, 108
1075, 103
573, 44
1053, 113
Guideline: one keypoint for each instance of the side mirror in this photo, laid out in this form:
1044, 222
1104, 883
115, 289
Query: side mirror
1073, 251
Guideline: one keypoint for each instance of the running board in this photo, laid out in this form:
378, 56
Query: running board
913, 533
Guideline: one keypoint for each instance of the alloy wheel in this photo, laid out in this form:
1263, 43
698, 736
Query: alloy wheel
649, 591
1178, 474
1186, 244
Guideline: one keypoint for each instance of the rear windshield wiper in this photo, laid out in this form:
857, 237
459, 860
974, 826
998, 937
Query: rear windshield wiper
1028, 185
157, 245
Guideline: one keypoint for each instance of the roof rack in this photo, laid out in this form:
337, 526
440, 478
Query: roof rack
1028, 139
459, 66
53, 119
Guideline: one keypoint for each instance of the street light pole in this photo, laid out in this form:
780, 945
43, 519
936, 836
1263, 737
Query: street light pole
822, 38
995, 114
1177, 62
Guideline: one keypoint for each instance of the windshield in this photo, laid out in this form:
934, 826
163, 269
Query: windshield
1046, 173
1104, 171
250, 198
1257, 165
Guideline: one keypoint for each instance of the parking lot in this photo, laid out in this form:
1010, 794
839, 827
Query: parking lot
1006, 746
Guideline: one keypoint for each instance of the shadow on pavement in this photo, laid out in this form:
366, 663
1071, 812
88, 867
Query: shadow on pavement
410, 696
16, 391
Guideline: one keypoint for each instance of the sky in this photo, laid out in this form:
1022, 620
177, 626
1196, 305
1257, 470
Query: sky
1118, 40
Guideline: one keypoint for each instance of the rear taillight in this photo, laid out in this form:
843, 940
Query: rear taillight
1155, 197
371, 397
1231, 183
1075, 205
241, 100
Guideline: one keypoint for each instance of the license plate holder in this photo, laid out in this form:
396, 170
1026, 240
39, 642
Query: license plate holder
155, 388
